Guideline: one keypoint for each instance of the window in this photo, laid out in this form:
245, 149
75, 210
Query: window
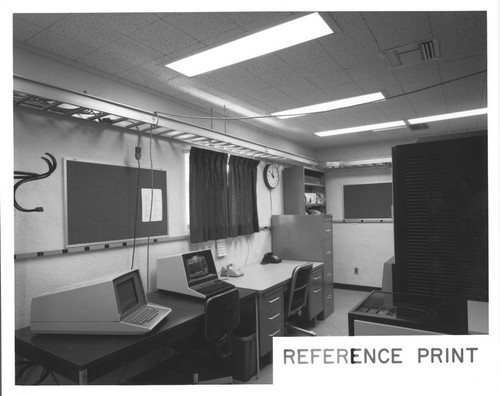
222, 195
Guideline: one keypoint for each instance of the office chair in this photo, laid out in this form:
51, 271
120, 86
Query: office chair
297, 297
222, 315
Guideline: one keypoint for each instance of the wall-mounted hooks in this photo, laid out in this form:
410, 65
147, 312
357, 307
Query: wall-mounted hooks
30, 176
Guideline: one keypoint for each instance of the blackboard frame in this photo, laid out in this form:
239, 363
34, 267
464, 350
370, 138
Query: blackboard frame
368, 201
100, 203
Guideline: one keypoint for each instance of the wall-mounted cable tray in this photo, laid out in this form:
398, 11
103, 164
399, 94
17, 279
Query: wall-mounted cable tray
36, 95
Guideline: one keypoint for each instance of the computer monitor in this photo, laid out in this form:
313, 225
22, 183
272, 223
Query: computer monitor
182, 273
199, 267
115, 304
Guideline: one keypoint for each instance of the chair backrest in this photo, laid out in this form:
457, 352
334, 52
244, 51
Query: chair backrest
222, 314
299, 288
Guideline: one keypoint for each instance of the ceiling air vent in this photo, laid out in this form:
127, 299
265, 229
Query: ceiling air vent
429, 50
418, 127
411, 54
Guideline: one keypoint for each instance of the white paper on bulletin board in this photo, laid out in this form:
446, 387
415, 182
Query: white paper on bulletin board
156, 208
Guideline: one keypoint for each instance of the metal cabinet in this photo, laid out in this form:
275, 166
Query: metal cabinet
307, 238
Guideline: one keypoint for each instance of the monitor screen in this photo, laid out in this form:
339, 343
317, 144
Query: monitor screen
199, 266
126, 295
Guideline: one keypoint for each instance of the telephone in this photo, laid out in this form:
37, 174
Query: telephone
270, 258
231, 271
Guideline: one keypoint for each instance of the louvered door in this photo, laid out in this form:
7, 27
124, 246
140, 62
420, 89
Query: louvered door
441, 218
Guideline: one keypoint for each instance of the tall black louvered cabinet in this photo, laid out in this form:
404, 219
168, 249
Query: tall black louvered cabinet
441, 218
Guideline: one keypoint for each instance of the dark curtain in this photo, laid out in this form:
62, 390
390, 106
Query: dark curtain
242, 201
208, 195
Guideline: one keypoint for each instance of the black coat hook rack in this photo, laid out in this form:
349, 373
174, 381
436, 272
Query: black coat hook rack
26, 177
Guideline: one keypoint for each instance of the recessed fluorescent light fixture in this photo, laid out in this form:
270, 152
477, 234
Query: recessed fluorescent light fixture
290, 33
362, 128
327, 106
448, 116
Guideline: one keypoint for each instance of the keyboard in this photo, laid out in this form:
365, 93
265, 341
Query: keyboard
143, 315
214, 288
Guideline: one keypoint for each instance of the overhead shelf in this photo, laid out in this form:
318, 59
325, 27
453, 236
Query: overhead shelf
36, 95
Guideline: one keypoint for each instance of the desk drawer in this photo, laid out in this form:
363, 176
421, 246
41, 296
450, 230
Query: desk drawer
315, 299
266, 338
271, 318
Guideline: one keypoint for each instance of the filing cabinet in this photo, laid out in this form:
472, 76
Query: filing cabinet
307, 238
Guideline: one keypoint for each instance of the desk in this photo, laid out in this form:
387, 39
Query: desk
262, 278
270, 281
84, 358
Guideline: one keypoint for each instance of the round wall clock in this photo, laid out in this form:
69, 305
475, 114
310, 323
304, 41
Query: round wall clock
271, 175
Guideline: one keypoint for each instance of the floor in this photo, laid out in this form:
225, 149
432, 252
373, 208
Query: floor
335, 325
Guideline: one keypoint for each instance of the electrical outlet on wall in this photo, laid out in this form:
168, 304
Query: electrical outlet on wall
356, 271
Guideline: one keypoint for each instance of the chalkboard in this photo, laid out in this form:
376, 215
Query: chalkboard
368, 201
101, 203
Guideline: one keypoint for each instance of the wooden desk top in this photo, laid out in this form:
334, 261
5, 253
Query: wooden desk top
263, 277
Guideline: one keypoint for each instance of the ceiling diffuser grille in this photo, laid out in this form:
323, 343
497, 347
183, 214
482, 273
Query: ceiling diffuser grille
412, 54
419, 127
428, 49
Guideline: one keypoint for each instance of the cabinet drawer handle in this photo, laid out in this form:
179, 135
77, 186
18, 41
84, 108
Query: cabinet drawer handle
317, 290
329, 296
318, 277
274, 300
329, 274
328, 252
276, 332
274, 317
328, 230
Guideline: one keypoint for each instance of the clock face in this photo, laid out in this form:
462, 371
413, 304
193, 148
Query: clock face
271, 176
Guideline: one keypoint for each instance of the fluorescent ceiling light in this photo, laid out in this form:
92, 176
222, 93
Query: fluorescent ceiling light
327, 106
448, 116
294, 32
362, 128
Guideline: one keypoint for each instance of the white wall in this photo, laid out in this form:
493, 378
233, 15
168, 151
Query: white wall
36, 133
365, 246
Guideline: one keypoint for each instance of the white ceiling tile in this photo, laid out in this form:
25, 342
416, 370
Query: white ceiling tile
60, 45
165, 38
42, 20
343, 91
428, 102
417, 77
395, 29
86, 29
24, 30
106, 61
396, 109
354, 45
202, 26
460, 34
272, 94
158, 68
311, 61
138, 76
462, 68
127, 22
239, 79
131, 51
368, 114
255, 21
464, 96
